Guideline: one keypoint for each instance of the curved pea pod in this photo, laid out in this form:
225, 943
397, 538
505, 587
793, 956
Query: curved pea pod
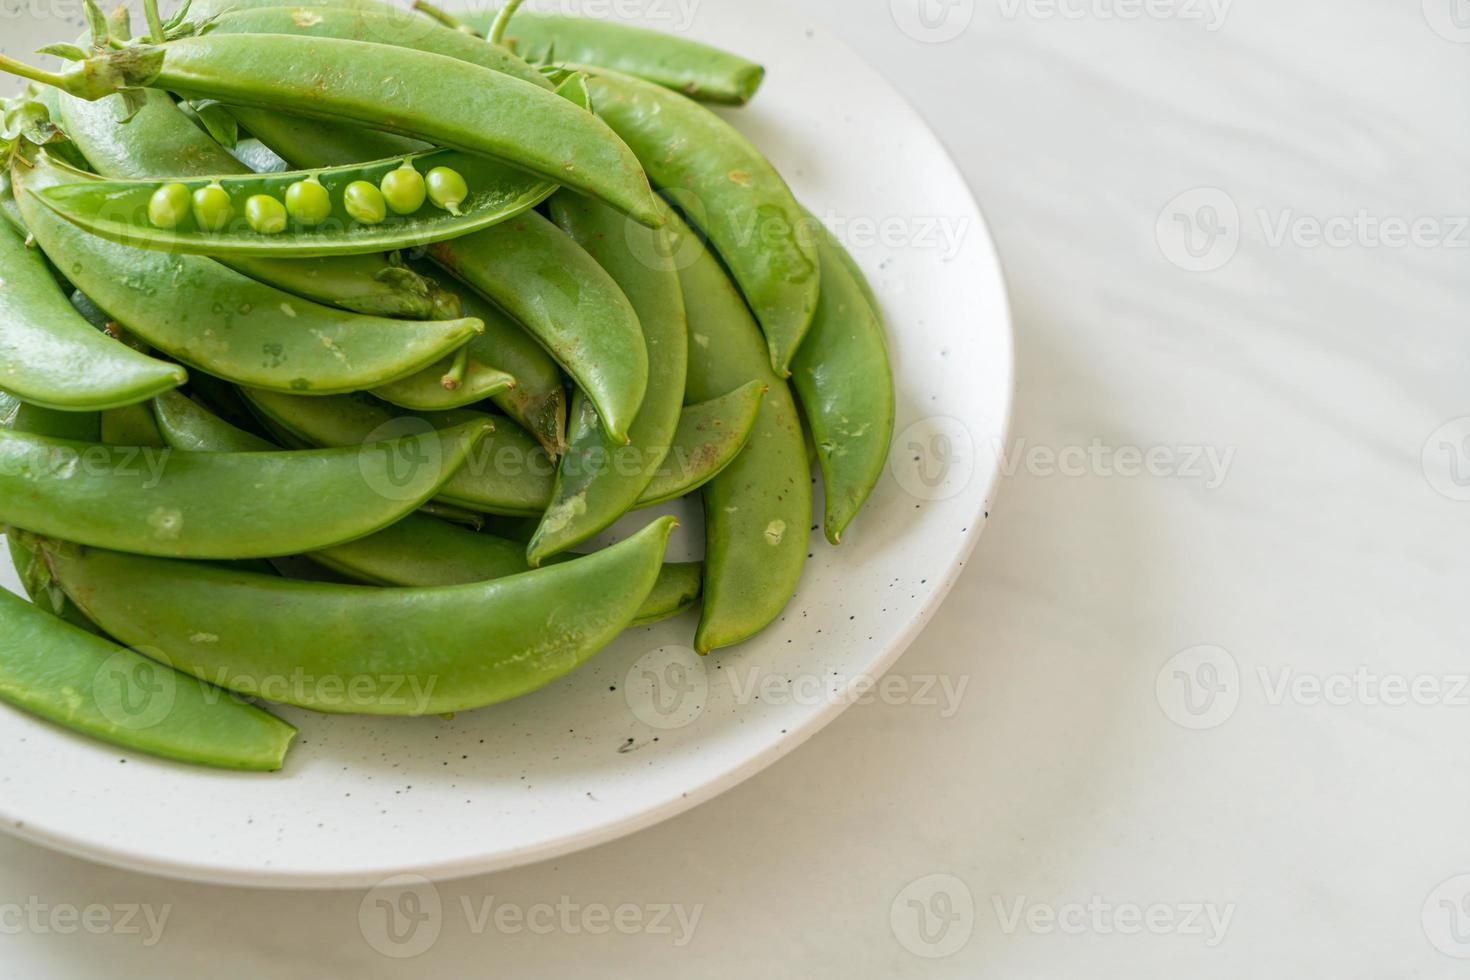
599, 480
538, 401
437, 99
723, 184
508, 474
710, 436
92, 686
118, 210
389, 25
161, 140
363, 650
844, 382
51, 356
223, 323
189, 428
221, 505
421, 552
564, 299
699, 71
758, 511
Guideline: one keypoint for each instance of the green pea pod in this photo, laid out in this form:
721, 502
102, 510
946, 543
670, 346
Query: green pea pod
131, 425
186, 426
508, 473
223, 323
305, 143
538, 402
559, 293
598, 480
118, 210
437, 99
710, 436
700, 71
95, 687
52, 357
84, 426
389, 25
160, 140
361, 650
421, 552
221, 505
845, 385
758, 511
723, 184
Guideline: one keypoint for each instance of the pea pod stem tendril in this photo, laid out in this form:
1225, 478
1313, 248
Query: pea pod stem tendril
502, 21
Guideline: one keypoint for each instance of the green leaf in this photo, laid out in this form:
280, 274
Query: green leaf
69, 52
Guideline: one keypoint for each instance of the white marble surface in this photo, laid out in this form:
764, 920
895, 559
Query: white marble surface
1085, 808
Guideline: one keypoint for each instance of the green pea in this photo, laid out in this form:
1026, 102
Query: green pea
213, 208
447, 189
169, 206
308, 203
364, 203
404, 189
265, 214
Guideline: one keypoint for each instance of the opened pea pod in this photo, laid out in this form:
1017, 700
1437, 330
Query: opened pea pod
360, 209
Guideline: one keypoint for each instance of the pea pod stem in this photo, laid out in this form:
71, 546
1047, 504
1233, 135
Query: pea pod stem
502, 21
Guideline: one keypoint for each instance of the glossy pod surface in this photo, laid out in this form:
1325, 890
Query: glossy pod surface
51, 356
434, 98
758, 511
564, 299
699, 71
845, 385
374, 651
93, 686
119, 210
186, 426
421, 552
727, 189
508, 474
161, 141
599, 480
710, 436
221, 505
225, 323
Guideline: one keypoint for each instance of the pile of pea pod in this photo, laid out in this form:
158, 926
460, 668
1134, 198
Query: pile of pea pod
332, 334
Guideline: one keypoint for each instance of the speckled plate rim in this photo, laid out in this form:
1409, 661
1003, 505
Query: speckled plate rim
991, 269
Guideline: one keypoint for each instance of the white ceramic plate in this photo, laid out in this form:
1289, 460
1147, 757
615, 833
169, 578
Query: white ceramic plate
646, 730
